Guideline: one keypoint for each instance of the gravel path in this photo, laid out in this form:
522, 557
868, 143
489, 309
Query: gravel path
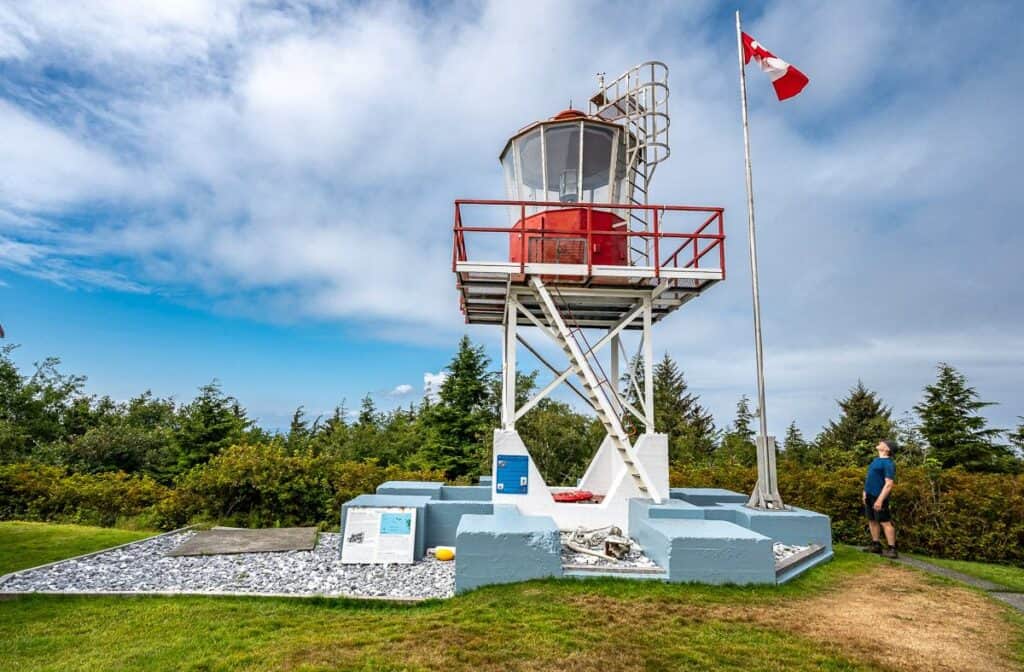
143, 567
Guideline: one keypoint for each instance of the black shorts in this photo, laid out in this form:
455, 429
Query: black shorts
882, 516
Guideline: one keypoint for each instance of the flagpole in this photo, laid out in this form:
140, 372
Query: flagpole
759, 348
766, 492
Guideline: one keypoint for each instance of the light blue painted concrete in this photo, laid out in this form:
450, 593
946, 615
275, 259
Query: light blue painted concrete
643, 509
708, 551
411, 501
794, 526
486, 480
443, 519
466, 493
505, 547
708, 496
419, 488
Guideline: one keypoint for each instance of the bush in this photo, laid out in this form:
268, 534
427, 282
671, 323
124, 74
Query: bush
950, 513
266, 485
41, 492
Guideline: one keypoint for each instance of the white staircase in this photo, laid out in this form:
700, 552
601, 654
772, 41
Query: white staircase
594, 388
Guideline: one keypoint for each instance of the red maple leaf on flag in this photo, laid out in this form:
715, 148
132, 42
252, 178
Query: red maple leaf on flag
787, 79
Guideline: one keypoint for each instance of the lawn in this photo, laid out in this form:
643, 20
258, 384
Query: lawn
1010, 578
855, 613
31, 544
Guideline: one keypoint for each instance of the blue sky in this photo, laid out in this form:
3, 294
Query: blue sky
261, 192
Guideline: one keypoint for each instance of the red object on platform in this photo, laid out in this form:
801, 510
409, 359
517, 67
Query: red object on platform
787, 80
560, 237
573, 496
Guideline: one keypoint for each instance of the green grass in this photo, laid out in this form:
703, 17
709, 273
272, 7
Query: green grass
601, 624
1009, 577
25, 545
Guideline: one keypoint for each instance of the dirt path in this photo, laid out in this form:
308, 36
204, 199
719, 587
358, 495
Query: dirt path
902, 620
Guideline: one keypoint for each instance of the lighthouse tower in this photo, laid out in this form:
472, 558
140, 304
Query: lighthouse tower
576, 254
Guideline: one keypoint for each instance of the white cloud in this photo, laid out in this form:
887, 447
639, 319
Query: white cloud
401, 390
432, 383
46, 169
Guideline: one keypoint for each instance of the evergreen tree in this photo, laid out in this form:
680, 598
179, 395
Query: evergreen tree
795, 447
208, 425
459, 422
368, 415
299, 431
678, 413
865, 420
913, 449
956, 432
332, 436
738, 442
1017, 438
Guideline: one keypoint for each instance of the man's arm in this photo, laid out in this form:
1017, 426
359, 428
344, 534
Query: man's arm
886, 489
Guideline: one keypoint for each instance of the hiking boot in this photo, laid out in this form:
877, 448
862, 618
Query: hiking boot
890, 552
873, 547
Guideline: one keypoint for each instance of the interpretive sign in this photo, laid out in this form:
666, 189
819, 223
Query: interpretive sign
379, 535
513, 475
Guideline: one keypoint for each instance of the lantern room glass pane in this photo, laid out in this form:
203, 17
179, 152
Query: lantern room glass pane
531, 172
562, 146
597, 159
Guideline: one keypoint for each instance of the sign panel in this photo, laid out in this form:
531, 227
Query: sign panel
379, 535
513, 475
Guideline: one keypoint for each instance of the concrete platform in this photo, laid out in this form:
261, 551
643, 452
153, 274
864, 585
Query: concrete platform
707, 551
224, 541
505, 547
793, 527
704, 535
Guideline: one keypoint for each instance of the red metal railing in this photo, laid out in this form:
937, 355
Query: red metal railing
691, 246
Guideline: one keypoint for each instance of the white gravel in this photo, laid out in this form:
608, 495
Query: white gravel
143, 567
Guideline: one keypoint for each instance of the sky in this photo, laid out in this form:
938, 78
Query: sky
261, 192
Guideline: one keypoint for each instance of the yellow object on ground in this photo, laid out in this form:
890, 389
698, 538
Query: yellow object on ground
445, 553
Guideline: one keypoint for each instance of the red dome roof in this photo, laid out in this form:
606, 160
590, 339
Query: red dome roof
568, 114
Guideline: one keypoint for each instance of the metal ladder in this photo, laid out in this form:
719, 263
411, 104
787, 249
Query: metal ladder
578, 360
638, 99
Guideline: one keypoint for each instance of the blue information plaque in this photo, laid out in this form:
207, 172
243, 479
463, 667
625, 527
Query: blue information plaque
513, 475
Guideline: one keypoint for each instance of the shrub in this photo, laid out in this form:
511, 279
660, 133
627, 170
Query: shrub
950, 513
266, 485
41, 492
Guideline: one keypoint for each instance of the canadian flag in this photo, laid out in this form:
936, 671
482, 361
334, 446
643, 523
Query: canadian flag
787, 80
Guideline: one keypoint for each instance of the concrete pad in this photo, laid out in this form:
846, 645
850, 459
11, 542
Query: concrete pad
223, 541
708, 551
505, 547
793, 527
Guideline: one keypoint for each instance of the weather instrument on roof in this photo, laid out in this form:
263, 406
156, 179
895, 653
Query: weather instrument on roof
576, 253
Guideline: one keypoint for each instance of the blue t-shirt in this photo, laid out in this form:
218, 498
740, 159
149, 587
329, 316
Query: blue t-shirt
880, 469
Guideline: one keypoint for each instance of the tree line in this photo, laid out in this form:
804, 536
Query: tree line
47, 417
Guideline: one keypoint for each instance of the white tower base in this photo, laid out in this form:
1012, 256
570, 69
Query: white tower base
606, 475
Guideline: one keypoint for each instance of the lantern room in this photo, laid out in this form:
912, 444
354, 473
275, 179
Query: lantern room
561, 162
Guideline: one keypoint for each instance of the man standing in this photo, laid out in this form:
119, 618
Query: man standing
877, 488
